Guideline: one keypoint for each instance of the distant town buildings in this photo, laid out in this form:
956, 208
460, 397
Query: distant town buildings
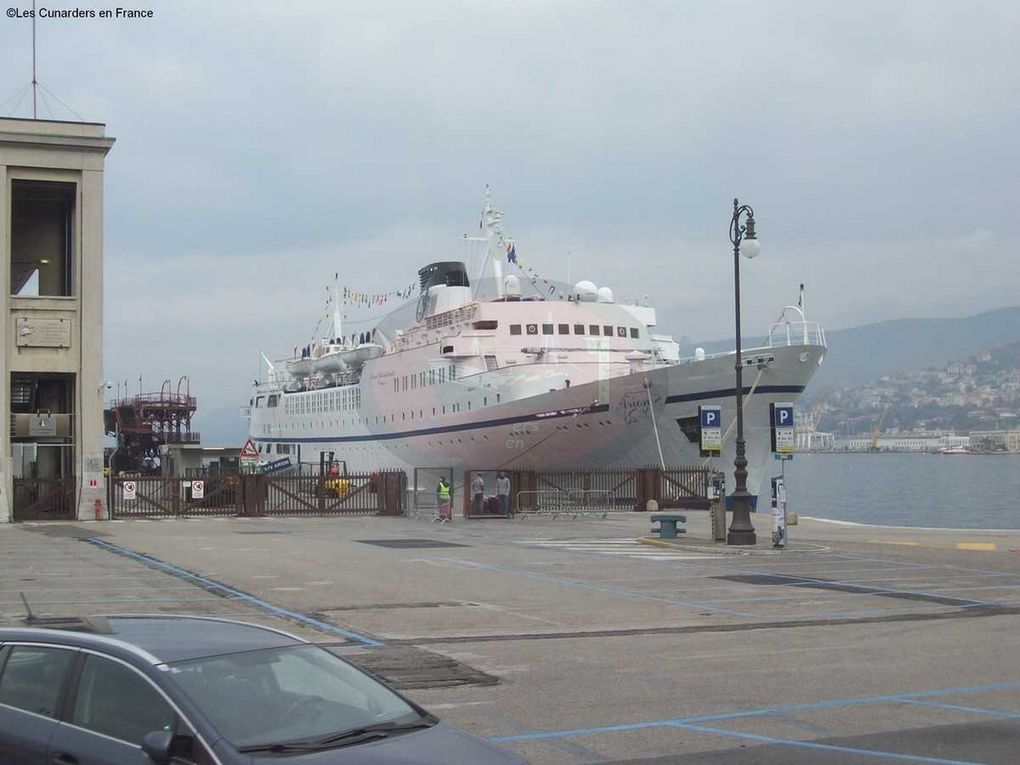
922, 410
996, 440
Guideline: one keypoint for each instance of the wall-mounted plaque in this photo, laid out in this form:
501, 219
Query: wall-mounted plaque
43, 333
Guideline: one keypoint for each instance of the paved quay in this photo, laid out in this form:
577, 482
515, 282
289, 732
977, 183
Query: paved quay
571, 641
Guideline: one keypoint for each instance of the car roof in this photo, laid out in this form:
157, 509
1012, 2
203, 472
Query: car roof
162, 639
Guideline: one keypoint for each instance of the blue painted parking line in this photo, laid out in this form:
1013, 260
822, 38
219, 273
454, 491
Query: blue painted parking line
960, 708
234, 594
879, 753
765, 712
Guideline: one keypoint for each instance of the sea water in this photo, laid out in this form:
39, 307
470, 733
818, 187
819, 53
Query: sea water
905, 489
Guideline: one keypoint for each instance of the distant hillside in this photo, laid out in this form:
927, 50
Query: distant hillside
863, 354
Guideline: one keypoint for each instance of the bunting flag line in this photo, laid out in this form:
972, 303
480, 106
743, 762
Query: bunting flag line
533, 276
350, 296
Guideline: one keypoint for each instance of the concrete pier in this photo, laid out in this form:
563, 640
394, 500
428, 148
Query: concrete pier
572, 642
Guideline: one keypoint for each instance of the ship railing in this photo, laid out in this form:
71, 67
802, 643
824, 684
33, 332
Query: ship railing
787, 333
554, 503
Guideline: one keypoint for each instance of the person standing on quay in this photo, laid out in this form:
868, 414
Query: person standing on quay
503, 492
477, 494
443, 499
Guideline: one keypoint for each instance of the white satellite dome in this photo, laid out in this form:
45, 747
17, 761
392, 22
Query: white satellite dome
586, 291
512, 286
699, 354
605, 295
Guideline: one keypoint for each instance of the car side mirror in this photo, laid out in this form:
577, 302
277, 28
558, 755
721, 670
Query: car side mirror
157, 745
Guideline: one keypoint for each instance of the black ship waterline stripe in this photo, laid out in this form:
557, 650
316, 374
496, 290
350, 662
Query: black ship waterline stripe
536, 417
723, 392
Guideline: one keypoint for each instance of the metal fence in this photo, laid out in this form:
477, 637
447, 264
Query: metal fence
684, 487
356, 494
171, 497
44, 499
556, 503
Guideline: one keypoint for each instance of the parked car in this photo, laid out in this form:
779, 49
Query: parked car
174, 689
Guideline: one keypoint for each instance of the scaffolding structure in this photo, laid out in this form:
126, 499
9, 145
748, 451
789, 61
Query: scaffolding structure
143, 423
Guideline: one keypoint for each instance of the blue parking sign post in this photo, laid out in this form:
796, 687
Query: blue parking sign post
783, 437
710, 418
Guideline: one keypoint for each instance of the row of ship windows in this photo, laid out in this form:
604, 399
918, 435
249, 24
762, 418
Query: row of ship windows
343, 400
603, 330
421, 379
409, 414
280, 448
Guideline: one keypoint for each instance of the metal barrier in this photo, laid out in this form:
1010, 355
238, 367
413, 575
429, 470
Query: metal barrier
318, 495
44, 499
170, 497
253, 495
572, 502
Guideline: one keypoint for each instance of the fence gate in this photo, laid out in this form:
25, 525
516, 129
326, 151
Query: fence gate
684, 487
353, 494
44, 499
171, 497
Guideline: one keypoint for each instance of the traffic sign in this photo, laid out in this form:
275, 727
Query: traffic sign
249, 451
710, 418
130, 489
781, 427
198, 489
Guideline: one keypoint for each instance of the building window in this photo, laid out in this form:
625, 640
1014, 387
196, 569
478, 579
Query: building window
42, 238
593, 329
563, 329
633, 333
515, 329
547, 329
607, 330
578, 329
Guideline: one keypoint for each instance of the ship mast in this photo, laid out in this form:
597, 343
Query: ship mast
337, 323
496, 244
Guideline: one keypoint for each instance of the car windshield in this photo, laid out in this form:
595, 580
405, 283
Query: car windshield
301, 693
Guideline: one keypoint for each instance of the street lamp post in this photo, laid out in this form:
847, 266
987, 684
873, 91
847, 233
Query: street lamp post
745, 243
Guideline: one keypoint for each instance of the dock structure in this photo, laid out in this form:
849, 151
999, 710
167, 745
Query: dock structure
144, 423
51, 319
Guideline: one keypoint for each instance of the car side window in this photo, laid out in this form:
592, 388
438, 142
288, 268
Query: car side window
33, 678
117, 701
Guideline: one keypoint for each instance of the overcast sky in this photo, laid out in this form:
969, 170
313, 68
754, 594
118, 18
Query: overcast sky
263, 146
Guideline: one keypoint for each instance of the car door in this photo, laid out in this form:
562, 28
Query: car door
33, 679
112, 706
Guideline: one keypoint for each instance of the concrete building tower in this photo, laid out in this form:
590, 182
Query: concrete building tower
51, 319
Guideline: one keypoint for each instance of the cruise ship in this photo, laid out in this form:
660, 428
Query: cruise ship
502, 370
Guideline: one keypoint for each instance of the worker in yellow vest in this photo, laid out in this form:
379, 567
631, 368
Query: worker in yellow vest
443, 500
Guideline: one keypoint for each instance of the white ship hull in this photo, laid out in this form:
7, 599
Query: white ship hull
602, 424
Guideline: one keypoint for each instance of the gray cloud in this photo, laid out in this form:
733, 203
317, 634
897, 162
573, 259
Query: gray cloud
263, 146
